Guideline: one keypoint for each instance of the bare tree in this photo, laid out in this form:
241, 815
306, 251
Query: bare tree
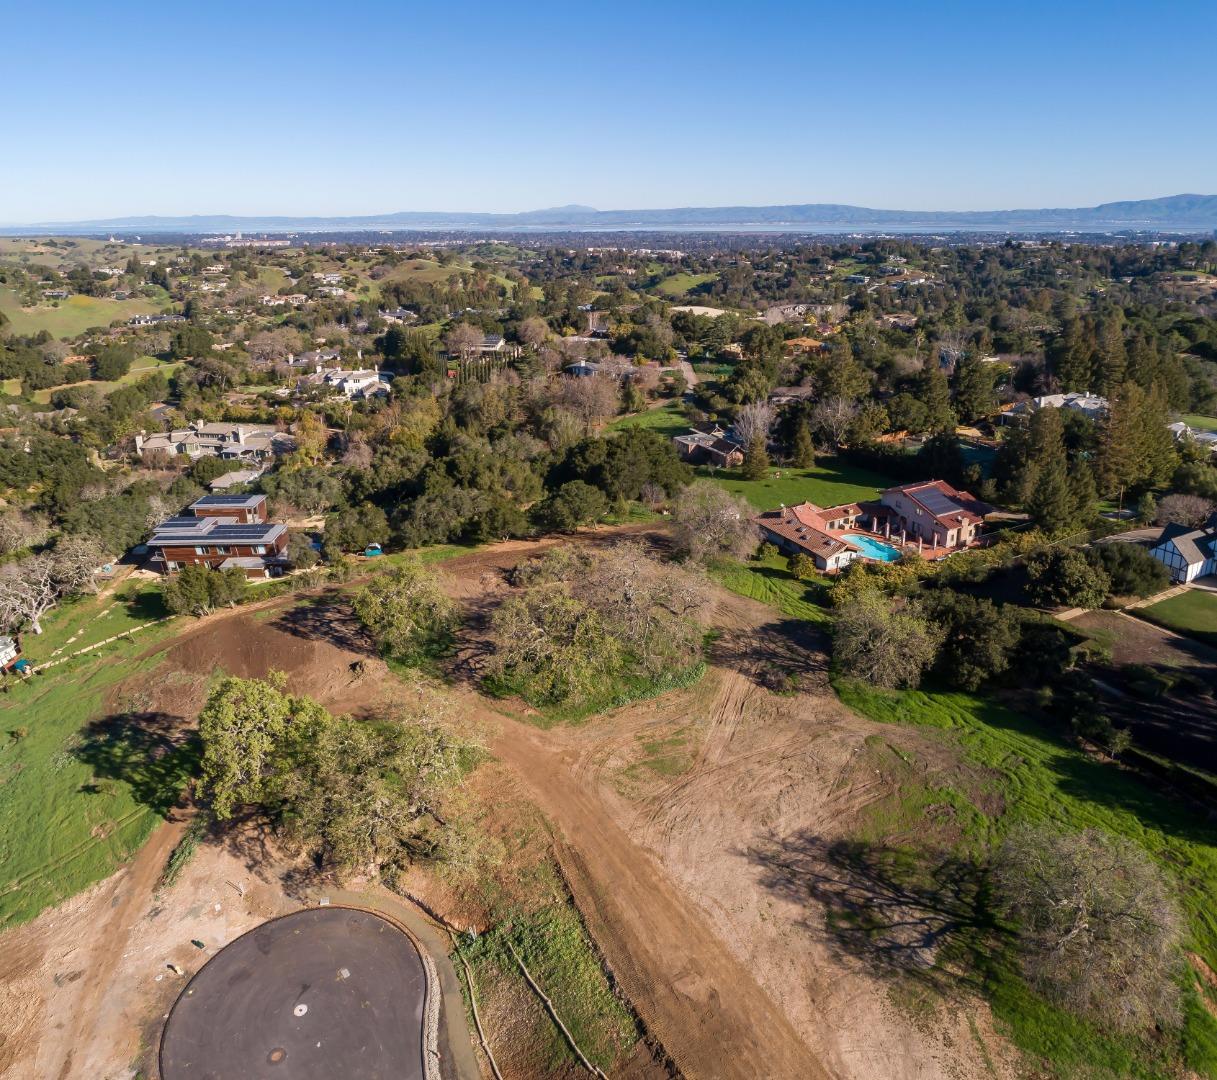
272, 346
463, 339
1190, 510
591, 398
830, 419
754, 422
357, 454
1099, 929
20, 530
710, 522
31, 587
533, 331
652, 494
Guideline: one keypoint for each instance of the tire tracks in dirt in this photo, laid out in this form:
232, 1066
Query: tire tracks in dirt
699, 1002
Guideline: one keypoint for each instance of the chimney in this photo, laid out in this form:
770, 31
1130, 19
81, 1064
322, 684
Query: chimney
139, 443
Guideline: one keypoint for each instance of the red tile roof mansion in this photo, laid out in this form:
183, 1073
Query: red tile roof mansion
930, 517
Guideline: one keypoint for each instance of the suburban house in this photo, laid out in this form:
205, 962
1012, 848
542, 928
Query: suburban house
930, 512
807, 529
1183, 433
492, 343
222, 532
398, 315
252, 442
709, 443
363, 384
241, 509
315, 358
1091, 406
1187, 552
155, 320
234, 479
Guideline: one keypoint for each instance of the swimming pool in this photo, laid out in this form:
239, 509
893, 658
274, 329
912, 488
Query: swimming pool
872, 548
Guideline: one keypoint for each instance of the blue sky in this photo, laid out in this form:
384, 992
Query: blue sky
303, 108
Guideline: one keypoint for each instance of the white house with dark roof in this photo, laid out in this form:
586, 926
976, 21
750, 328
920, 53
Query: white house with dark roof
1187, 552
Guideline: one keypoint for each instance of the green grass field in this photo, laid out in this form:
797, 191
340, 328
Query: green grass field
1200, 423
768, 581
682, 284
668, 419
73, 316
1192, 613
76, 803
89, 619
830, 483
144, 365
1032, 775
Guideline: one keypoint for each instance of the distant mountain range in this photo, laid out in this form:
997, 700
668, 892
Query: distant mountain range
1175, 213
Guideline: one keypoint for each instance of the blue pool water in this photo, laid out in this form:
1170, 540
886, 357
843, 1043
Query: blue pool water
872, 548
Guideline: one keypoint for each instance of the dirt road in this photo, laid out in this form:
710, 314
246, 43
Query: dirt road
694, 996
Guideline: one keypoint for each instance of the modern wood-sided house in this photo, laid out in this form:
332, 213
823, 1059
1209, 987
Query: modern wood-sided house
224, 532
1188, 553
241, 509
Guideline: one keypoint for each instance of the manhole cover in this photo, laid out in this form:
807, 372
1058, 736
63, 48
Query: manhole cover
300, 1010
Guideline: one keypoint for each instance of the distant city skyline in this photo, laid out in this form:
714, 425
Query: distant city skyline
366, 109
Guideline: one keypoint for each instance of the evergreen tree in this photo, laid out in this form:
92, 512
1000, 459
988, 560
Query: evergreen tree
935, 394
804, 451
1052, 504
756, 458
974, 397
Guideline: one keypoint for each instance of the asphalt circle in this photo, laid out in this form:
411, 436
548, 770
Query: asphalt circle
324, 993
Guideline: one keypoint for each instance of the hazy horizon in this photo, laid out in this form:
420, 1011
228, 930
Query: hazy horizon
292, 111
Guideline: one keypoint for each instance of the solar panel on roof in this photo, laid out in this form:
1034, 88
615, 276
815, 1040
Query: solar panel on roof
936, 502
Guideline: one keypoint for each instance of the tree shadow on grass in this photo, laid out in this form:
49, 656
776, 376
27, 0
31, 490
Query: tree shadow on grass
897, 912
149, 751
1101, 783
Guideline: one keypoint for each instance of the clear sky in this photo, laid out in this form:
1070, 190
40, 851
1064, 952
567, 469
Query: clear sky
301, 108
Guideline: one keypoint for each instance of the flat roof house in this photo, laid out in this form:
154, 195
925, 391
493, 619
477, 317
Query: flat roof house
220, 543
241, 509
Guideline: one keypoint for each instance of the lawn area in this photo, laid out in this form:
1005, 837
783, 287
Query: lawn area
681, 284
668, 419
830, 483
75, 803
73, 316
86, 620
768, 581
144, 365
1200, 423
1034, 776
1192, 613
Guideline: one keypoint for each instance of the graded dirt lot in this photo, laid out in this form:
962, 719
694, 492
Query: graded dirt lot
690, 829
